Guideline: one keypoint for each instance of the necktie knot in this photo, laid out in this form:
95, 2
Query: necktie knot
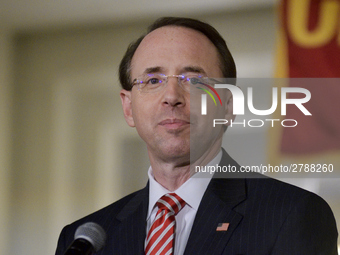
171, 202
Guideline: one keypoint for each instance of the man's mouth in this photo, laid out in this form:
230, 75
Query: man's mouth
174, 123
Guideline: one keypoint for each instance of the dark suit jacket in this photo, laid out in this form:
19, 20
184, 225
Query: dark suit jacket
265, 216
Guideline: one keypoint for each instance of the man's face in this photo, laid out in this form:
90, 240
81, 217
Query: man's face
162, 119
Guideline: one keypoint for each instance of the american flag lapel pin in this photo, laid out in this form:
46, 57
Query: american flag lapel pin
222, 227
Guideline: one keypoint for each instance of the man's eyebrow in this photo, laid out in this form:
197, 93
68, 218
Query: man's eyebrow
155, 69
194, 69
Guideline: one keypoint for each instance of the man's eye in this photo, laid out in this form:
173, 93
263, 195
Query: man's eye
194, 80
191, 80
153, 81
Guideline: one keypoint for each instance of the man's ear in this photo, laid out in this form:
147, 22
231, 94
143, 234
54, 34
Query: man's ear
229, 108
125, 97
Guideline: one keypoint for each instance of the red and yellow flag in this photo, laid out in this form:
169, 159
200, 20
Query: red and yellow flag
309, 47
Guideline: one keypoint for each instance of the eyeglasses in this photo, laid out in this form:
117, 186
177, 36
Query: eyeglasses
150, 83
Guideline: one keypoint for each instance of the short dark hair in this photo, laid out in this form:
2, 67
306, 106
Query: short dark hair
227, 63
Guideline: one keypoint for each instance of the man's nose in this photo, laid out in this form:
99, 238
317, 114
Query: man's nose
174, 94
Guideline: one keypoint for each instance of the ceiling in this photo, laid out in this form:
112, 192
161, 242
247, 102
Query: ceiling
35, 14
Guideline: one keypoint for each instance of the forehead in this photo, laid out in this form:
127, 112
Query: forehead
172, 48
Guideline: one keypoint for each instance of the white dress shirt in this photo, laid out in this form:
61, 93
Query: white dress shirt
191, 192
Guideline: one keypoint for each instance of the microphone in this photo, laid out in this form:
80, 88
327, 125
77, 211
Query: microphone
89, 238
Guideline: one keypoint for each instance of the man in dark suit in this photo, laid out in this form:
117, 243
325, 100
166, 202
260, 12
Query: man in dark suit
177, 213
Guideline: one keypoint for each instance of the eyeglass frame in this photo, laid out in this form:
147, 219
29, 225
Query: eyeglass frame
138, 81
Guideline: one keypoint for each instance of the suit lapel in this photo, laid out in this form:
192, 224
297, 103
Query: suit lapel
133, 224
217, 206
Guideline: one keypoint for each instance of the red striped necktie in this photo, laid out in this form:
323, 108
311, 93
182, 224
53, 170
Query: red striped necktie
161, 236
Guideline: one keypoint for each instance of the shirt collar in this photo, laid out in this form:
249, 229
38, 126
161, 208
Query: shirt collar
191, 191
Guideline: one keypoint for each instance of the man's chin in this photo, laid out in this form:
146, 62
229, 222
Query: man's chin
175, 153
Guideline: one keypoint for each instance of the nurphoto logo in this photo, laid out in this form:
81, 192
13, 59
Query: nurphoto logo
239, 105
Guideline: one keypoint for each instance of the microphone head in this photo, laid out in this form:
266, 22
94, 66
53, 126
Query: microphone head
93, 233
